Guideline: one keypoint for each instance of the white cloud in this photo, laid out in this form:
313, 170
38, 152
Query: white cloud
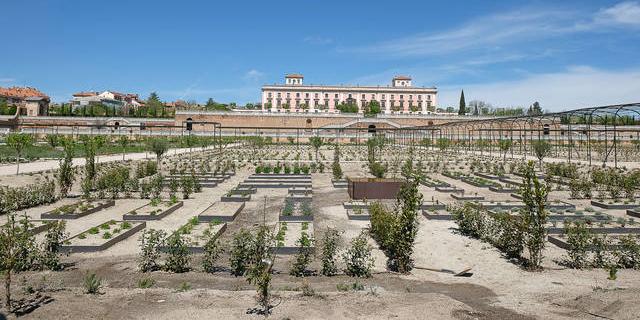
7, 80
489, 32
253, 75
576, 87
623, 13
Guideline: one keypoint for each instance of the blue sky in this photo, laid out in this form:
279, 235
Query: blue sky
565, 54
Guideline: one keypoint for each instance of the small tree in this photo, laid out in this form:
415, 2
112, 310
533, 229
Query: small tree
158, 147
10, 233
150, 244
52, 244
505, 146
330, 243
178, 254
358, 258
212, 251
66, 174
406, 226
303, 257
123, 141
579, 240
335, 167
261, 262
89, 148
316, 143
241, 248
463, 105
541, 148
18, 142
534, 215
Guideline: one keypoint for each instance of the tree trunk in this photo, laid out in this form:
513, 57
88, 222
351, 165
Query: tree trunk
7, 288
18, 164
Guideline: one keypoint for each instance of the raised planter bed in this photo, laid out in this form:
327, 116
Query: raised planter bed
296, 211
235, 197
356, 205
38, 226
487, 175
197, 234
221, 211
561, 242
449, 189
479, 182
430, 182
274, 184
435, 215
339, 183
280, 176
633, 213
615, 205
153, 211
78, 209
511, 181
430, 205
358, 214
373, 188
299, 197
507, 205
301, 190
289, 233
243, 190
502, 189
101, 237
466, 197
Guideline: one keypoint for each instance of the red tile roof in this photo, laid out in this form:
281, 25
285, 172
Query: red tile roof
401, 78
21, 92
294, 75
85, 94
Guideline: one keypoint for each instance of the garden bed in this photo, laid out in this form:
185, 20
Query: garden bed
561, 242
296, 211
437, 215
235, 197
221, 211
280, 184
153, 211
101, 237
339, 183
289, 233
431, 182
431, 205
358, 214
78, 209
503, 189
301, 190
356, 205
243, 190
467, 197
299, 197
615, 205
196, 234
38, 226
449, 189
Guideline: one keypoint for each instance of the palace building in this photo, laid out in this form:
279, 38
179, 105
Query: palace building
401, 97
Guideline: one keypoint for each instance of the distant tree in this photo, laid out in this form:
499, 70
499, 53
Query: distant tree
372, 108
158, 146
535, 109
541, 148
316, 143
154, 104
463, 105
505, 145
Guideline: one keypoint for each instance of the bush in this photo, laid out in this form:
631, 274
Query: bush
303, 257
150, 244
628, 256
579, 240
92, 283
178, 254
358, 259
330, 243
146, 282
471, 219
18, 198
241, 250
212, 251
52, 243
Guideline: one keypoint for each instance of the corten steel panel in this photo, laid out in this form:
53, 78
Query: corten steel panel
371, 188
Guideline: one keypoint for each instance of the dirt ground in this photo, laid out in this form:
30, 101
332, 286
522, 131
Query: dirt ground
497, 288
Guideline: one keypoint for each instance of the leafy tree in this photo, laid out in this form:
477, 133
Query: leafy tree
463, 106
372, 108
158, 146
535, 109
261, 263
541, 148
150, 243
123, 141
241, 249
154, 104
316, 143
52, 244
178, 254
534, 215
212, 251
10, 249
304, 255
505, 146
335, 167
18, 142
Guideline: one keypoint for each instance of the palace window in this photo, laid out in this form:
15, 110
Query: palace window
270, 94
297, 94
288, 95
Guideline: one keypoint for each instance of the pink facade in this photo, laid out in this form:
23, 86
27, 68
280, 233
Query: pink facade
399, 97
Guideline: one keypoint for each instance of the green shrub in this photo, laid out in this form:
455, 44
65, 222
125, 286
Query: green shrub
92, 283
358, 259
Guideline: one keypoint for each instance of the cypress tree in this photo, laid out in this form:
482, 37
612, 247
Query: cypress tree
463, 104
